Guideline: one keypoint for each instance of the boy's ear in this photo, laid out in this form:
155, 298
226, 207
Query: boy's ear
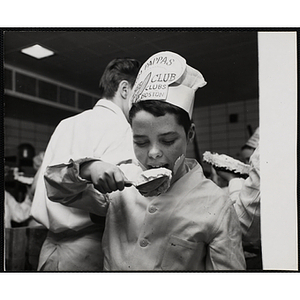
191, 133
124, 89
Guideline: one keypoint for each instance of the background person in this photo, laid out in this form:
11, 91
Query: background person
245, 194
14, 210
73, 242
250, 146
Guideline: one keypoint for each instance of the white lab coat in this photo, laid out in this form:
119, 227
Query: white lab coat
245, 194
192, 227
102, 132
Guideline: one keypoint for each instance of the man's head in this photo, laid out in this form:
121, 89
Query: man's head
118, 70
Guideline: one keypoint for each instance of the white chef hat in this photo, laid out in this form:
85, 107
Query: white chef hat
166, 76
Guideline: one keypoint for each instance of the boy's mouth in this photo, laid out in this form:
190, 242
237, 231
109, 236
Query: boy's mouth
157, 166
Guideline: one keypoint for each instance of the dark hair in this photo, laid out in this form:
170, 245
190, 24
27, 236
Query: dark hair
160, 108
117, 70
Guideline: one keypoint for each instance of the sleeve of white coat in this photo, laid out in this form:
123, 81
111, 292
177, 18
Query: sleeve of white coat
234, 188
65, 186
225, 250
248, 203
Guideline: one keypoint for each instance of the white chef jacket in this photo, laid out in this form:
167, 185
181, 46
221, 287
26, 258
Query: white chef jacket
192, 227
102, 132
245, 194
74, 241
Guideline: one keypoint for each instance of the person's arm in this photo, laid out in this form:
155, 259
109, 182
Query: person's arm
248, 207
83, 184
65, 186
234, 188
235, 183
225, 251
105, 177
246, 197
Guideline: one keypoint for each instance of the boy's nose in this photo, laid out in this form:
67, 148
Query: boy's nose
154, 152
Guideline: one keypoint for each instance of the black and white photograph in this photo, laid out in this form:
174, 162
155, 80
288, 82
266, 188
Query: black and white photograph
99, 179
150, 151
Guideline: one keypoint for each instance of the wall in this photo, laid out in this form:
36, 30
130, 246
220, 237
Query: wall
20, 131
224, 128
214, 132
34, 105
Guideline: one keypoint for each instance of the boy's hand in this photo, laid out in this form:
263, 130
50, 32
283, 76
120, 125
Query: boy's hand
227, 175
105, 177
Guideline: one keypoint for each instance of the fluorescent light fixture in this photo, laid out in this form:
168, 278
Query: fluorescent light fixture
37, 51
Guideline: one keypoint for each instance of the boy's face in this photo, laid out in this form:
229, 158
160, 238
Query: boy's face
158, 141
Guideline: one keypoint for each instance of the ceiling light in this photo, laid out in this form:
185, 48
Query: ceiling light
37, 51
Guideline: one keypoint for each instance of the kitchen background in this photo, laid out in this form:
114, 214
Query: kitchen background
41, 92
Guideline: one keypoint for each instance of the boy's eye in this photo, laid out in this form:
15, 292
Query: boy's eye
168, 142
141, 143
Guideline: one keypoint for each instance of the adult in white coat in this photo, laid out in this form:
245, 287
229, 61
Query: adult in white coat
246, 197
74, 241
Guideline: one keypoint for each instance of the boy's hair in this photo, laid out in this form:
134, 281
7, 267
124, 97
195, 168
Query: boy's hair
160, 108
117, 70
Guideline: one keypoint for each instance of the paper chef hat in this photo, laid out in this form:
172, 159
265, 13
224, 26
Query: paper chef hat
254, 139
166, 76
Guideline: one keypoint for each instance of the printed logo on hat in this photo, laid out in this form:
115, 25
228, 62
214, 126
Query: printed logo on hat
166, 76
156, 74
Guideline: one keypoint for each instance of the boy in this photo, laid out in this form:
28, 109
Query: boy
190, 227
